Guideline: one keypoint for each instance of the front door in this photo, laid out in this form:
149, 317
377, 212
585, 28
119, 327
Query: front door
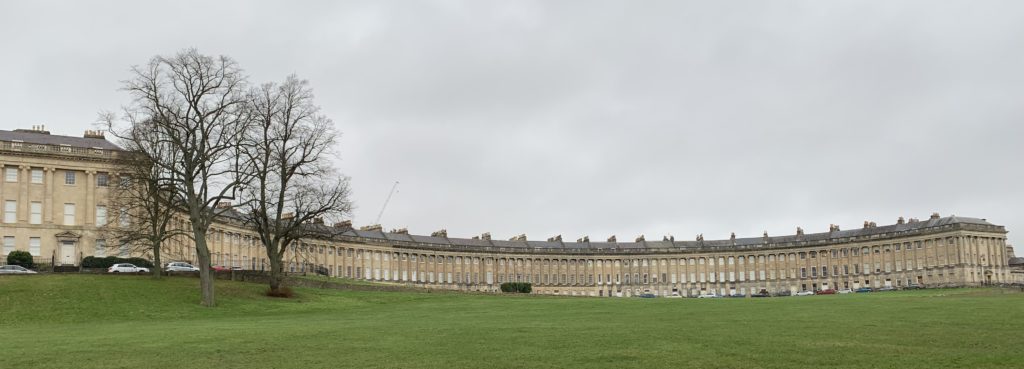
67, 252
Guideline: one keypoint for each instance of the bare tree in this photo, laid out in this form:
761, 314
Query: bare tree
144, 201
196, 106
293, 183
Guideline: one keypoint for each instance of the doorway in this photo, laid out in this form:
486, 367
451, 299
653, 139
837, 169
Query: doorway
67, 252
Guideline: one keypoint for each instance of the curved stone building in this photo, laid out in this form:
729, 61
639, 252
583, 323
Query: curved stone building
54, 194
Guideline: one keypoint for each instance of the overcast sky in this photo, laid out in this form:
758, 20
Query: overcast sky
595, 118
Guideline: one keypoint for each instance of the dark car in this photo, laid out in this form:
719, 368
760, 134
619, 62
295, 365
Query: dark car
646, 296
826, 292
322, 271
736, 295
761, 293
864, 289
888, 288
783, 293
913, 287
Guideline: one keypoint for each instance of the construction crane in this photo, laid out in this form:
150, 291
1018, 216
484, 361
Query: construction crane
394, 188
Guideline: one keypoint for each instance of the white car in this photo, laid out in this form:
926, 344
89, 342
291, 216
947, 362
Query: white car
674, 295
711, 295
126, 268
179, 266
845, 290
805, 293
15, 269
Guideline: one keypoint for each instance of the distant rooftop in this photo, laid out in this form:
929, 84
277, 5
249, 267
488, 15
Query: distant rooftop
39, 135
520, 242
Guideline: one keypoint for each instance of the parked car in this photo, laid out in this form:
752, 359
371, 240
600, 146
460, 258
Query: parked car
708, 295
913, 287
220, 268
864, 289
783, 293
180, 266
126, 268
674, 295
845, 290
761, 293
805, 293
322, 271
887, 288
646, 296
736, 295
828, 291
15, 269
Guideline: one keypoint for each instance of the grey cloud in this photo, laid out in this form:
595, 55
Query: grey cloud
599, 118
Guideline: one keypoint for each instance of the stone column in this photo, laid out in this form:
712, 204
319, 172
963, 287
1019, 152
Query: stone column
23, 181
90, 198
48, 178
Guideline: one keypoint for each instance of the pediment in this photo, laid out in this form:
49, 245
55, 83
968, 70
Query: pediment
69, 234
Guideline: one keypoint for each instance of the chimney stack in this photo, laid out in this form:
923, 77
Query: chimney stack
441, 233
900, 221
935, 216
485, 236
318, 220
612, 239
640, 238
557, 238
372, 227
343, 224
400, 231
93, 134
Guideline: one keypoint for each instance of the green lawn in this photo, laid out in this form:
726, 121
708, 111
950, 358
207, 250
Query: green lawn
96, 321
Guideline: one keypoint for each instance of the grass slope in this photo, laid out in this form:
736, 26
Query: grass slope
85, 321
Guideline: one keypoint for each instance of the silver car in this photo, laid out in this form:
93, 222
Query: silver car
15, 269
179, 266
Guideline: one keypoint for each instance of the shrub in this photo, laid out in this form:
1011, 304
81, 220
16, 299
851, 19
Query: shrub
106, 262
517, 287
283, 292
19, 257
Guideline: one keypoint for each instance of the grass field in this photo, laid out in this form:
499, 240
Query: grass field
84, 321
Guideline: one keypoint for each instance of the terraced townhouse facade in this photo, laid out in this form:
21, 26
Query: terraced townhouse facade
55, 191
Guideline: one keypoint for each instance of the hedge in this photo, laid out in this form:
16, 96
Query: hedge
107, 262
19, 257
517, 287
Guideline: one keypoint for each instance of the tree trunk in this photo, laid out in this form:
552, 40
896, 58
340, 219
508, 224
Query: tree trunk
157, 266
205, 273
275, 272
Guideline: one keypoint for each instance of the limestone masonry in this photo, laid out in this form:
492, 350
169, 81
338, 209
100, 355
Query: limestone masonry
55, 188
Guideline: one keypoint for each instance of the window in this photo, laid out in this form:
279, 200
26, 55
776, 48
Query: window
69, 214
123, 250
37, 175
101, 179
101, 248
11, 174
101, 215
10, 211
34, 244
122, 218
8, 244
35, 212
